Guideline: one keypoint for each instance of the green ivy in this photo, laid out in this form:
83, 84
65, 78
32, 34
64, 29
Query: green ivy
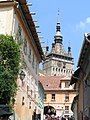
9, 68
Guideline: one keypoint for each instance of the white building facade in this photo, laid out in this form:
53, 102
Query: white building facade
16, 20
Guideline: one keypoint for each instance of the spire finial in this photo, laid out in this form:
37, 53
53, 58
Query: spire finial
58, 15
69, 48
69, 43
58, 37
58, 21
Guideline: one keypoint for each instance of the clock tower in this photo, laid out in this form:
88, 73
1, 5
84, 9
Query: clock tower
58, 62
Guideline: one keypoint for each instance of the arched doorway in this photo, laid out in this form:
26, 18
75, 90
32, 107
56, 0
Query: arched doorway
49, 111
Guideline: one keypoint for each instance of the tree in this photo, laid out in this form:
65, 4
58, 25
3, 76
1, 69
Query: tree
9, 68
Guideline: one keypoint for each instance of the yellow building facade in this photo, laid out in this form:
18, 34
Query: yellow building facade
58, 95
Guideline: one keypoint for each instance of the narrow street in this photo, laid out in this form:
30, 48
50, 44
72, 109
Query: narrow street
44, 76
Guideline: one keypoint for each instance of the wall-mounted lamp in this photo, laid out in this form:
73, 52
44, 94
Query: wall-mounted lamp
22, 75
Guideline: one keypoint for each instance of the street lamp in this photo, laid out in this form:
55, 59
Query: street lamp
22, 75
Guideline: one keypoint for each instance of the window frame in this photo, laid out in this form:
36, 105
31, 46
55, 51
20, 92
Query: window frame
66, 97
67, 84
53, 97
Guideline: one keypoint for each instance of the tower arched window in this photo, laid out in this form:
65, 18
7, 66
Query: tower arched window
61, 70
64, 65
56, 69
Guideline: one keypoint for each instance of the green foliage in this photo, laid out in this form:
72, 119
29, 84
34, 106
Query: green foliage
9, 68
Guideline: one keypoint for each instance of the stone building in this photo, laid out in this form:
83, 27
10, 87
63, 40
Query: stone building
58, 69
16, 20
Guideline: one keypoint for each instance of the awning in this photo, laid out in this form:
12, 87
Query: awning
75, 76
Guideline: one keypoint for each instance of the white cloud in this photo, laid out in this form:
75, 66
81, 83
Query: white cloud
83, 24
88, 20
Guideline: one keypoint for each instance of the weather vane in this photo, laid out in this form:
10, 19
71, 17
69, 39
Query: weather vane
59, 16
69, 43
58, 11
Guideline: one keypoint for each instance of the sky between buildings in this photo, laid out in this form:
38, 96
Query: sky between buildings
74, 18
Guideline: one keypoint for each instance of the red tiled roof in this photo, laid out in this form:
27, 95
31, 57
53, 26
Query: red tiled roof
51, 82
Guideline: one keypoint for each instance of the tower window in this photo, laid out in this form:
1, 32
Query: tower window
61, 70
56, 69
64, 65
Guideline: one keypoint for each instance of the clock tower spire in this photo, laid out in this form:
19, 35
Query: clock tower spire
58, 36
58, 62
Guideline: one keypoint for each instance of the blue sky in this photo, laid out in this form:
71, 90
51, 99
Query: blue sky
74, 18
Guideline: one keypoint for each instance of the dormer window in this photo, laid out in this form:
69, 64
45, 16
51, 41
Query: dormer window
67, 84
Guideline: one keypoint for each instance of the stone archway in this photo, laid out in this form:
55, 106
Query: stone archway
49, 111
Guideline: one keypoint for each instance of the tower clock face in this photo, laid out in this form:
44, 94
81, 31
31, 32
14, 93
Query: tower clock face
59, 64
